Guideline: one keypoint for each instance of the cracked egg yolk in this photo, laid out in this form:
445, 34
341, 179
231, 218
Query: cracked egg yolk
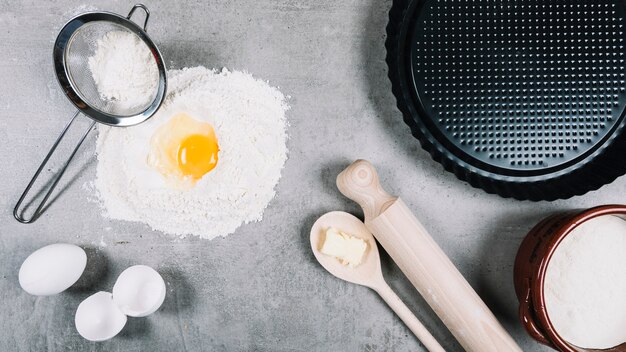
184, 149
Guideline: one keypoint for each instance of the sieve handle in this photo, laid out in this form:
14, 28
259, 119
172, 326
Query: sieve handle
19, 216
145, 9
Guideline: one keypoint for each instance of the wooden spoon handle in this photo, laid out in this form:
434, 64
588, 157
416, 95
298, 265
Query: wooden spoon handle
405, 314
424, 263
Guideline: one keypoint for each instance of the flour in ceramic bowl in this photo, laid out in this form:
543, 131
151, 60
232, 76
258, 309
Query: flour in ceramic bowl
585, 284
248, 117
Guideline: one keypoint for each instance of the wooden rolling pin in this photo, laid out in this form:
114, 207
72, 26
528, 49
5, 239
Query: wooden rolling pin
424, 263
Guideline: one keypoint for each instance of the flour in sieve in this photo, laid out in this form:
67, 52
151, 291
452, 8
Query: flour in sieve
124, 70
249, 119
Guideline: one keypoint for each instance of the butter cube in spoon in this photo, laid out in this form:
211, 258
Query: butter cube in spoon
348, 249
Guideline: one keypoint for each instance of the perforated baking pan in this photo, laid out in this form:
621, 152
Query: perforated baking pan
523, 98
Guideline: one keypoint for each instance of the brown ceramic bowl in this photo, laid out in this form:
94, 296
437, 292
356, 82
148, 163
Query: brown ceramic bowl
530, 270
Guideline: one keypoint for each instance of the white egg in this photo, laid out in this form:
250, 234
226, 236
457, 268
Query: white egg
139, 291
52, 269
98, 318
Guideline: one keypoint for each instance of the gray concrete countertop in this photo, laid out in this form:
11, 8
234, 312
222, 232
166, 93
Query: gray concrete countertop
260, 288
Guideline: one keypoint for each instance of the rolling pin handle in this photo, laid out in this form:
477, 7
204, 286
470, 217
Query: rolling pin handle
360, 183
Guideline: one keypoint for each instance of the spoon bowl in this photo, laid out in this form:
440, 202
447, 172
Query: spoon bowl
369, 271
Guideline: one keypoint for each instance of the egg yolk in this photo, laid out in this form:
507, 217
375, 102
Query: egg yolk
197, 155
183, 150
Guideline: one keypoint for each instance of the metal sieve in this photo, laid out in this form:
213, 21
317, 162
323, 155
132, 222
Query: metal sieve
75, 44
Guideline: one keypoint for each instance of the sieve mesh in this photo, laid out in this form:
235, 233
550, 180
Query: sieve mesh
79, 49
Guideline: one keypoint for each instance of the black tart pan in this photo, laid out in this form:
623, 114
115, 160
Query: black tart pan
523, 98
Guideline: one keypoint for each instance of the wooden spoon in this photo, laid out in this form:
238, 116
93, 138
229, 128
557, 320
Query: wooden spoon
368, 273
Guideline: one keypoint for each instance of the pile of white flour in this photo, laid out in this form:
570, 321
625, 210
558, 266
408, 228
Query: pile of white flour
125, 71
249, 120
585, 285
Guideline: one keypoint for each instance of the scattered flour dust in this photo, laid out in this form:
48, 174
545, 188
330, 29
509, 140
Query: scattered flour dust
249, 120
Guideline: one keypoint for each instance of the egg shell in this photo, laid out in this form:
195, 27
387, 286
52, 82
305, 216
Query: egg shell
52, 269
139, 291
98, 318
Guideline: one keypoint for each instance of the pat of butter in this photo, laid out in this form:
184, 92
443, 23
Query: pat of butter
348, 249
